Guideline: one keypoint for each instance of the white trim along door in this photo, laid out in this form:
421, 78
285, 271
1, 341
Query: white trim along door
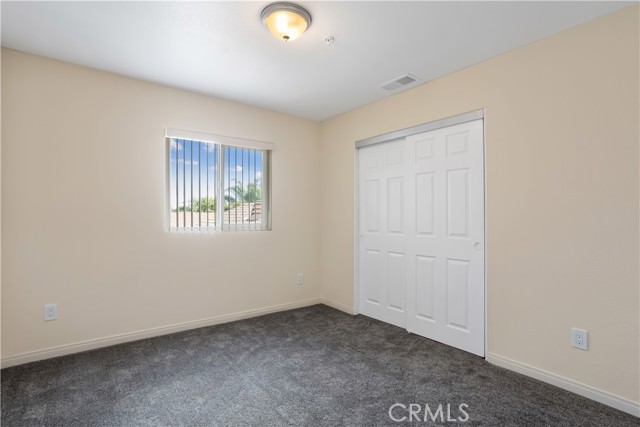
421, 234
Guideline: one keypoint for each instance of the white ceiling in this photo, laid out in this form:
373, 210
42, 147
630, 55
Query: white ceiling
222, 49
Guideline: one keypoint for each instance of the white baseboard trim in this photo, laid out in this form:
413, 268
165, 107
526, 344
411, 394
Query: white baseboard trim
584, 390
337, 305
92, 344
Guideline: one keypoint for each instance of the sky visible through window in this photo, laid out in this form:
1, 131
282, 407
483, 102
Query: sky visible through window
193, 170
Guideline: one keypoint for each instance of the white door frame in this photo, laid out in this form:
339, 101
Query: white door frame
402, 133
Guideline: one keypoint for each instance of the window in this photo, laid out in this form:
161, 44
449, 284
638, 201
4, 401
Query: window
217, 183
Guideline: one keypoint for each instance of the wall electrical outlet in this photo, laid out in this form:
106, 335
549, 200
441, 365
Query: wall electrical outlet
50, 311
579, 339
299, 279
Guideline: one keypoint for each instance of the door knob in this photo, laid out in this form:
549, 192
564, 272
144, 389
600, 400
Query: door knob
477, 246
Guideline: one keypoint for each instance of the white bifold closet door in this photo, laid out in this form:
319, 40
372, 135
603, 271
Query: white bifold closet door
421, 225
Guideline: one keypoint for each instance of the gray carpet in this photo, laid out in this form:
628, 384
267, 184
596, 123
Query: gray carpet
313, 366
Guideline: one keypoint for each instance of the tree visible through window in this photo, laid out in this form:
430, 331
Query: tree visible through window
214, 186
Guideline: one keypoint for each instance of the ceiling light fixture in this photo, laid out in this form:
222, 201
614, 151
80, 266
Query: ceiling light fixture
286, 21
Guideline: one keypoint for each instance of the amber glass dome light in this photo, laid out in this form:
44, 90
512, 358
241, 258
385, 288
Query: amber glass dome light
286, 21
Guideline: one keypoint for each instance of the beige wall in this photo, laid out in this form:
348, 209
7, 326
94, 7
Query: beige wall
562, 196
83, 202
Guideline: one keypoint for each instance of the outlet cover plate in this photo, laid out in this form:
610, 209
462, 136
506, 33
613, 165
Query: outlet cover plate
579, 339
50, 312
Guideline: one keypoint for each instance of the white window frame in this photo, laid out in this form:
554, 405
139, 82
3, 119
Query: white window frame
222, 142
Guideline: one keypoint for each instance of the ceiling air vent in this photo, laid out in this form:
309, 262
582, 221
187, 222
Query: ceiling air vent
400, 81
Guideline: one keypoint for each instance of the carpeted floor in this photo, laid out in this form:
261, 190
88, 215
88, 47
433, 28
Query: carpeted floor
313, 366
